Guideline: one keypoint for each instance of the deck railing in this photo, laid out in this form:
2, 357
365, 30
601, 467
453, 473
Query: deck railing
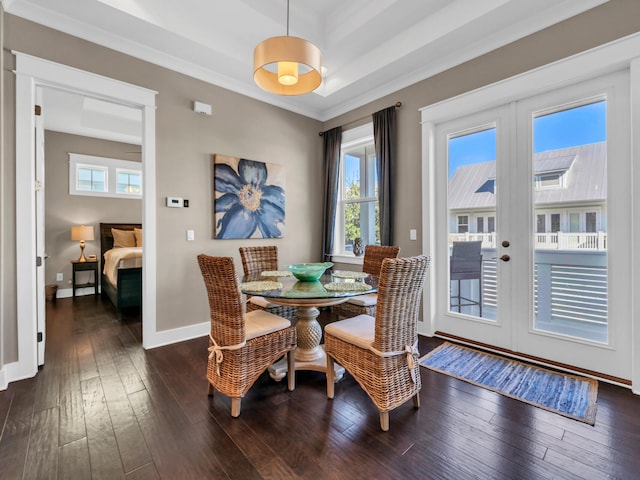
544, 241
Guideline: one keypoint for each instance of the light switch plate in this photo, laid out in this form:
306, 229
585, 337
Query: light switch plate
191, 235
413, 234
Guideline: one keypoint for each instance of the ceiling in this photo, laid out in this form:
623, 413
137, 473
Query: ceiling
370, 48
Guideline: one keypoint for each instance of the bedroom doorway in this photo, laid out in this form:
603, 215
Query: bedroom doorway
32, 73
91, 173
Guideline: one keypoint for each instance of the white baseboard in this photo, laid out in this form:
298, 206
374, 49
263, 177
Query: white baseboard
11, 372
175, 335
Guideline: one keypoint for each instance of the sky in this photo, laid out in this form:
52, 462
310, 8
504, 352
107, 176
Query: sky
568, 128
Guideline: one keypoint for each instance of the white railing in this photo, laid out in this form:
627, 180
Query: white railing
571, 241
543, 241
488, 239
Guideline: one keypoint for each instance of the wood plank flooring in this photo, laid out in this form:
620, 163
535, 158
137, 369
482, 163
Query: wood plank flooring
104, 408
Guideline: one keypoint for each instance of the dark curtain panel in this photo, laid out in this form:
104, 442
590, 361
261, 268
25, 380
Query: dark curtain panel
331, 154
384, 134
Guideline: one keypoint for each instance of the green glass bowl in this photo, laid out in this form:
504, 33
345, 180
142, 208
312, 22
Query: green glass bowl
309, 272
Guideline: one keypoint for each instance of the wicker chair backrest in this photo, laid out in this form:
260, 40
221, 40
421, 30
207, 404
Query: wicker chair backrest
374, 255
399, 293
225, 300
259, 259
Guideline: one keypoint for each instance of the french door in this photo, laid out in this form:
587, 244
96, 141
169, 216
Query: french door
543, 185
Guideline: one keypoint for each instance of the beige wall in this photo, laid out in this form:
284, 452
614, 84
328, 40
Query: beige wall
245, 127
185, 143
63, 210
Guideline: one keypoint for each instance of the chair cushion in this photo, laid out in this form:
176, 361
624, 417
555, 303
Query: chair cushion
259, 322
359, 331
261, 302
368, 300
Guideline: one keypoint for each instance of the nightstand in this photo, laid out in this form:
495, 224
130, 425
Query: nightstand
90, 266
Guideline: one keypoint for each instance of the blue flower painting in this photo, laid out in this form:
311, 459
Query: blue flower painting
249, 198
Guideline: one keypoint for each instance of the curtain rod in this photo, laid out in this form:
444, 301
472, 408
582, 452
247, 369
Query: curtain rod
397, 105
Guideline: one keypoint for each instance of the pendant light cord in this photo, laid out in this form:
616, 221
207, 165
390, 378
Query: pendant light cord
287, 18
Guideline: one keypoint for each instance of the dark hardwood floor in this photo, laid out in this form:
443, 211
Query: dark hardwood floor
102, 407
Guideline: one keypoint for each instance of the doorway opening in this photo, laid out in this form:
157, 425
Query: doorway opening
33, 73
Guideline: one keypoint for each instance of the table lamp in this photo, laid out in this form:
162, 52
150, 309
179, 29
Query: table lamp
81, 233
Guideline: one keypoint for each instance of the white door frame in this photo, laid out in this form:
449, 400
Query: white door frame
40, 252
608, 58
32, 72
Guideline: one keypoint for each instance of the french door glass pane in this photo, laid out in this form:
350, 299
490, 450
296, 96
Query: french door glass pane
471, 194
570, 283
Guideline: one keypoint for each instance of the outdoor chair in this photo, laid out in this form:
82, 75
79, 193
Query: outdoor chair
465, 263
241, 346
254, 261
381, 353
366, 304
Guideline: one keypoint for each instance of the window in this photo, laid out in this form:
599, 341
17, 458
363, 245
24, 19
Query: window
357, 215
574, 222
491, 221
129, 182
104, 177
550, 180
485, 224
463, 223
91, 179
555, 222
590, 222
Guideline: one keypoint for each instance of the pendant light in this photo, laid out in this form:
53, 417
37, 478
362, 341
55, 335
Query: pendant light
297, 61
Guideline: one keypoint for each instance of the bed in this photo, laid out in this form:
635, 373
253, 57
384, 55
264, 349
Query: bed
121, 277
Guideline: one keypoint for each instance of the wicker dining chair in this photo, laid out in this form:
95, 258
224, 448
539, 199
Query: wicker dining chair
254, 261
241, 345
366, 304
381, 353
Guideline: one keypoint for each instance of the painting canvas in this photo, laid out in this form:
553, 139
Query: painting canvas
248, 198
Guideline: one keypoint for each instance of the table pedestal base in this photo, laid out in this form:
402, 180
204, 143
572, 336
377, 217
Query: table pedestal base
278, 370
309, 353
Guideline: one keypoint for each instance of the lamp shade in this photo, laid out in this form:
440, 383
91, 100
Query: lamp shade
81, 232
288, 53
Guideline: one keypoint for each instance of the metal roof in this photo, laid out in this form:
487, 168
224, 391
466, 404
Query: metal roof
471, 187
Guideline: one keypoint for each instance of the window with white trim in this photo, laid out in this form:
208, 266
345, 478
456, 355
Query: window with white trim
104, 177
357, 214
463, 223
91, 178
550, 180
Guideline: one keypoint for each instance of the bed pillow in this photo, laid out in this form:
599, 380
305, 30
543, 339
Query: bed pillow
138, 235
123, 238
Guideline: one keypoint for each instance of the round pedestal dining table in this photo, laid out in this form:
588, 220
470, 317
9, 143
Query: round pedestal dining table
332, 288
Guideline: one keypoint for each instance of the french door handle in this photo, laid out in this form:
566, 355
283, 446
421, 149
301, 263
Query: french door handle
505, 258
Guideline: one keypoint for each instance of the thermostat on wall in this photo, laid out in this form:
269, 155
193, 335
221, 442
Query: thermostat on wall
175, 202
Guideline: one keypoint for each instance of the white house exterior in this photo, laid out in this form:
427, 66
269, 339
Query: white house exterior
570, 199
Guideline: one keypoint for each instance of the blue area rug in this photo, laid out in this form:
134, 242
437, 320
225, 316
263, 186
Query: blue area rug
568, 395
